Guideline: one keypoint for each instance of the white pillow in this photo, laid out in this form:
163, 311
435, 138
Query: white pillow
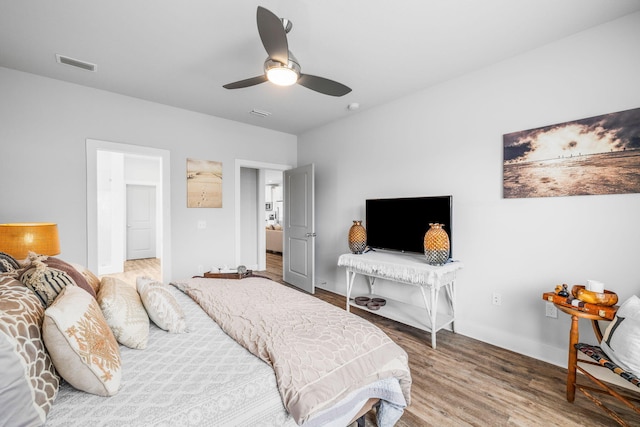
81, 345
162, 307
621, 340
124, 312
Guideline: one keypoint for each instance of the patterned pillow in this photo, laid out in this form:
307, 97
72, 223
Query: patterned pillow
621, 340
48, 276
82, 347
28, 382
124, 312
91, 278
162, 307
8, 263
77, 276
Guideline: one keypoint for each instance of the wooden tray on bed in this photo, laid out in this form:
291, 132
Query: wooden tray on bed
212, 275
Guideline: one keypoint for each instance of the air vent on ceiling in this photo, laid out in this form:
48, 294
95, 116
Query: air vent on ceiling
76, 63
260, 113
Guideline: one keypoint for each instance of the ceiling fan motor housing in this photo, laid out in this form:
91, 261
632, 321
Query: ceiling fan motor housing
292, 64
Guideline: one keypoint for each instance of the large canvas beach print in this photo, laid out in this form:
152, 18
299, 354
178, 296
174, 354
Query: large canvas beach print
204, 184
597, 155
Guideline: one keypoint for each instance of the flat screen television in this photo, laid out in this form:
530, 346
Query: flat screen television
400, 224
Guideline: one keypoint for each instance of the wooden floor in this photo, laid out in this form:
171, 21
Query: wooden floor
148, 267
466, 382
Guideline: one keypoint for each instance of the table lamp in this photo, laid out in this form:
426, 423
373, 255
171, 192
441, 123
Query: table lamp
17, 239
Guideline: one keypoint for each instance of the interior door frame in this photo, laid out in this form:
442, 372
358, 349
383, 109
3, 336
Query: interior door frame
261, 244
92, 148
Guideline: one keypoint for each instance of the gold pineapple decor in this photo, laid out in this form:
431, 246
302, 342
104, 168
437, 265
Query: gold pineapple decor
357, 238
436, 244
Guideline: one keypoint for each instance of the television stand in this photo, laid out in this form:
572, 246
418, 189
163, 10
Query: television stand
406, 269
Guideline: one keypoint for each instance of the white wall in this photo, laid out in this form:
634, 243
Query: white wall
448, 140
111, 205
44, 126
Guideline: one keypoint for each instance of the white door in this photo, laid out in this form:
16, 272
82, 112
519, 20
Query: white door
141, 221
299, 228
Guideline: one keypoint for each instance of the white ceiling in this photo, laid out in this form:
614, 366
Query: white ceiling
180, 53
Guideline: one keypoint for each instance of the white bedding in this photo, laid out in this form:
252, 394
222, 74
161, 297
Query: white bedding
202, 378
320, 353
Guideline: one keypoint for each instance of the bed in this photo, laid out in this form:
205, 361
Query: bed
202, 376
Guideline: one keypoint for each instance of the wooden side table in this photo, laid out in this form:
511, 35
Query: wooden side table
573, 340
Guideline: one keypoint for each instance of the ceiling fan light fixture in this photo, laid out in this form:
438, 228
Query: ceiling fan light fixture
282, 76
281, 67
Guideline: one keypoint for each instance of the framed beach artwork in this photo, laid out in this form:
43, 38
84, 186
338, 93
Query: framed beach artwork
204, 184
596, 155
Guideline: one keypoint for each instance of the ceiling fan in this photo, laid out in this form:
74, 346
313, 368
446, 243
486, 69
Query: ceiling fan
281, 67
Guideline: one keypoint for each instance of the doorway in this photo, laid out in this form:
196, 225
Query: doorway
110, 167
250, 207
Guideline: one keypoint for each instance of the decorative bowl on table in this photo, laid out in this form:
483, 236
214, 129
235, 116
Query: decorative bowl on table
380, 301
362, 300
372, 305
606, 298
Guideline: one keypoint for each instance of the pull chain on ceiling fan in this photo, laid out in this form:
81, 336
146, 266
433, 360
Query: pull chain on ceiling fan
281, 67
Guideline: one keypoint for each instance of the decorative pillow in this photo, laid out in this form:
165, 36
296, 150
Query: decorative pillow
8, 263
81, 345
162, 307
48, 276
91, 278
621, 340
77, 276
124, 312
28, 382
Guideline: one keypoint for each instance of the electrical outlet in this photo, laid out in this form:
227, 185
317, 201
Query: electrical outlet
202, 224
551, 310
200, 269
496, 299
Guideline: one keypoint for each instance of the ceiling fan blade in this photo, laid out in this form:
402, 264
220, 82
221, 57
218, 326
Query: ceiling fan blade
246, 82
273, 35
322, 85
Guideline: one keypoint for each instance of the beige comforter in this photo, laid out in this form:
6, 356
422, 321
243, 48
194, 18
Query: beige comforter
320, 353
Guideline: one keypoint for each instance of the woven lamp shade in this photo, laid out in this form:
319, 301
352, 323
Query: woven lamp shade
17, 239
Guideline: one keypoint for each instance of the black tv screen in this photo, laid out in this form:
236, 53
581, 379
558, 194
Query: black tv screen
400, 224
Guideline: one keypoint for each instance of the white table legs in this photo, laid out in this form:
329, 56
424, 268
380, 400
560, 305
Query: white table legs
430, 296
350, 277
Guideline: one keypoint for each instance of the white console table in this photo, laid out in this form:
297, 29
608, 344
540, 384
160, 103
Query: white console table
408, 269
